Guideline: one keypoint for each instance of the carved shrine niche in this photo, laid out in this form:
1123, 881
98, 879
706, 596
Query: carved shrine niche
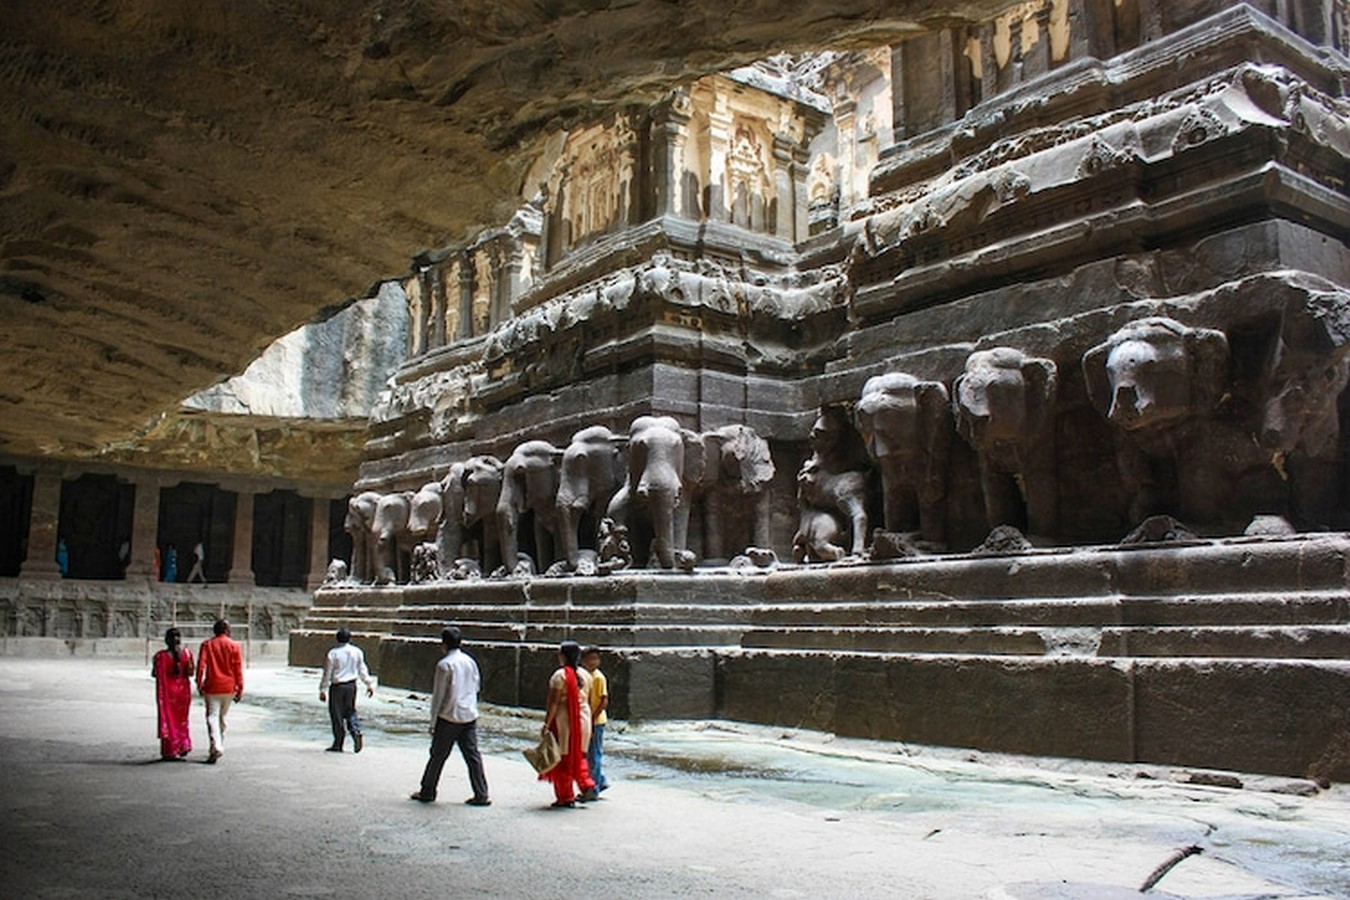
749, 187
589, 187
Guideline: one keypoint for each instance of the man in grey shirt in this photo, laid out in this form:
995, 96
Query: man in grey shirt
454, 720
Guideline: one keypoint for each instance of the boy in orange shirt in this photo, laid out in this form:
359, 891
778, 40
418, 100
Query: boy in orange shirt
220, 680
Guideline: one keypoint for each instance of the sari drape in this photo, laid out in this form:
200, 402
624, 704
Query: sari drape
572, 739
173, 701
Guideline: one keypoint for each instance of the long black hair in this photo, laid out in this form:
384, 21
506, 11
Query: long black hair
571, 653
173, 639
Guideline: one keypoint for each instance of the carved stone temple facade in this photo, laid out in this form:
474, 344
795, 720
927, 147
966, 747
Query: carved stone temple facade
985, 390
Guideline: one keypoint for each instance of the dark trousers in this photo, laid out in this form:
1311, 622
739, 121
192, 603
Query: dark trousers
443, 740
342, 710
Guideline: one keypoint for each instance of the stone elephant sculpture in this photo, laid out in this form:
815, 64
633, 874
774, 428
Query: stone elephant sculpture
393, 541
832, 492
359, 523
906, 425
665, 464
593, 470
1157, 381
1005, 405
477, 493
1300, 383
738, 468
450, 528
529, 488
424, 513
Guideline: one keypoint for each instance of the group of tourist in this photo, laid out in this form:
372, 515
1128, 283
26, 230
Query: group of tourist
575, 715
219, 675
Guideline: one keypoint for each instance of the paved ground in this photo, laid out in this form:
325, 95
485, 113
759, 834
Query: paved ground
704, 809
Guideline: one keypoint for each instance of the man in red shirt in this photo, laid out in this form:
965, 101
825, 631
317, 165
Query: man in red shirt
220, 679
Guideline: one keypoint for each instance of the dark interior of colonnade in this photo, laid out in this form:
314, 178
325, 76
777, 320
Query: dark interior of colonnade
16, 505
281, 521
95, 523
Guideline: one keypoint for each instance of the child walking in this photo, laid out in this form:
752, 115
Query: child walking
599, 698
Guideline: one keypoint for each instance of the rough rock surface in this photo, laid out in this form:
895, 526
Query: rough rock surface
181, 185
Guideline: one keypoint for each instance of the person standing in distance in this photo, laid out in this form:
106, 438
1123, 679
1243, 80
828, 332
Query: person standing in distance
220, 680
345, 664
454, 720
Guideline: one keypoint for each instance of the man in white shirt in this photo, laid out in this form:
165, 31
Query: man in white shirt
345, 664
454, 720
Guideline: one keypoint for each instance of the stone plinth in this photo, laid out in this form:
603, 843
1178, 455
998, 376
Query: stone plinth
1227, 653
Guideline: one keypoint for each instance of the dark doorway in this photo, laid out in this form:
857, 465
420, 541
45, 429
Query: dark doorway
281, 522
16, 511
96, 513
189, 513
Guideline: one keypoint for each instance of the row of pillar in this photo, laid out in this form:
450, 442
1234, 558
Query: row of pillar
45, 519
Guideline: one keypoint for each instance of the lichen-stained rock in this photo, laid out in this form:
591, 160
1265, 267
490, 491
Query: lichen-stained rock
180, 185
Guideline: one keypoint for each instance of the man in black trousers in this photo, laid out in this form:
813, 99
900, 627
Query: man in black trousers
454, 720
344, 666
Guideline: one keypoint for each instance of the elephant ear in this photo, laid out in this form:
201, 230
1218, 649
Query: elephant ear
741, 445
964, 425
1208, 353
936, 417
1094, 372
1041, 377
695, 459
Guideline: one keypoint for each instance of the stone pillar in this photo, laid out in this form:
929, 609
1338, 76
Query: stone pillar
437, 302
318, 543
40, 562
785, 225
144, 530
669, 131
719, 140
801, 200
845, 123
466, 273
241, 565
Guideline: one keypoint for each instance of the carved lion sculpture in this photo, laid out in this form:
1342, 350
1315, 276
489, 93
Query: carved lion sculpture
832, 492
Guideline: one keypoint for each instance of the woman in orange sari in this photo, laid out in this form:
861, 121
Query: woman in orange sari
568, 716
172, 669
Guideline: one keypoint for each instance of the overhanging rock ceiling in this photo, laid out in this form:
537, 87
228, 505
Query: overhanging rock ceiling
180, 183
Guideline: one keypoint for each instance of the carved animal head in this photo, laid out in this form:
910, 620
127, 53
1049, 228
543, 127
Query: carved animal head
897, 413
424, 512
1156, 372
481, 482
1004, 395
739, 459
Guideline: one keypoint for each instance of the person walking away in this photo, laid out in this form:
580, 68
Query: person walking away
220, 680
199, 560
599, 701
346, 663
172, 670
454, 720
568, 716
170, 563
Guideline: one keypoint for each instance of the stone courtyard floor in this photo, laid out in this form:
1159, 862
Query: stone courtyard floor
696, 809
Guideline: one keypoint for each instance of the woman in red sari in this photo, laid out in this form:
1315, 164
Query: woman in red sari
172, 669
568, 716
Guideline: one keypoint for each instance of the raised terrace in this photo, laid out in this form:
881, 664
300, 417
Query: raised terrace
1224, 653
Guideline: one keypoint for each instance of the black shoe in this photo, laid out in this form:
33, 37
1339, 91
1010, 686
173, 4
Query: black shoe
588, 796
478, 801
559, 804
357, 739
336, 748
421, 798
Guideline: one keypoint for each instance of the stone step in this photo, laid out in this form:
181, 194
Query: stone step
973, 641
1283, 609
1300, 642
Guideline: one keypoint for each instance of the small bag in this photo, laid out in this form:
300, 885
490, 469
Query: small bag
545, 755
